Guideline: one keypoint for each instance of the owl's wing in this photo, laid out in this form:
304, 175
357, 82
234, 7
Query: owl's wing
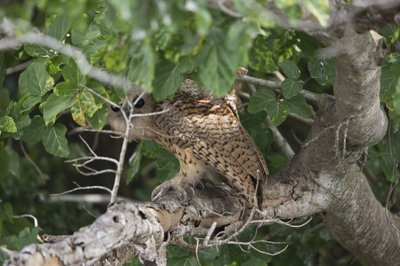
218, 138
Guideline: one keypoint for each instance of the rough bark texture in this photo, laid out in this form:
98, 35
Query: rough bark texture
359, 222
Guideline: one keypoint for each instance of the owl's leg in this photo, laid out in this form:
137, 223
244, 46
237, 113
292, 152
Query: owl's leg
190, 175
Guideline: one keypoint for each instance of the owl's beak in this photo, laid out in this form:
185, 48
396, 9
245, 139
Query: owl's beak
126, 111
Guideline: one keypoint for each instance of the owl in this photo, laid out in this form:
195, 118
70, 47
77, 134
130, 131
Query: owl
204, 133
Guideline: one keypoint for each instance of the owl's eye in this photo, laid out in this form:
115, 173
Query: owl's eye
139, 103
115, 109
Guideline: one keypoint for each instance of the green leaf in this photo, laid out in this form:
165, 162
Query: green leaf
390, 76
7, 124
274, 47
8, 211
21, 119
4, 162
239, 39
142, 64
85, 108
255, 11
54, 105
33, 83
37, 51
28, 236
2, 71
54, 140
276, 163
277, 112
203, 21
83, 38
99, 119
116, 60
298, 105
4, 101
291, 88
59, 26
320, 10
322, 70
87, 103
260, 100
217, 65
65, 88
72, 74
290, 69
168, 78
34, 132
396, 102
15, 165
134, 164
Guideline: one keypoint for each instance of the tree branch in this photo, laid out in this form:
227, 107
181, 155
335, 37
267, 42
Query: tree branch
7, 27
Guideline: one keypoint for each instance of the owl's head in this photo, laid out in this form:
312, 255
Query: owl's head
138, 109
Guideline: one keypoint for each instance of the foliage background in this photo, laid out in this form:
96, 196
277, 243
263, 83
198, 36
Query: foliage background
157, 44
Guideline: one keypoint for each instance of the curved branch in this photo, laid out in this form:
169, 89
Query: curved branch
357, 88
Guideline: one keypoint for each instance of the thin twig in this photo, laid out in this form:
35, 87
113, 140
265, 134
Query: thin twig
308, 121
120, 166
87, 146
35, 220
209, 233
44, 177
91, 159
17, 68
275, 85
80, 188
101, 96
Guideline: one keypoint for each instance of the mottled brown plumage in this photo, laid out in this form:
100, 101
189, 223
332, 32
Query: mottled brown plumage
205, 134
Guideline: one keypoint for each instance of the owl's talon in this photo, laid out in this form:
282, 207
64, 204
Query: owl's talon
167, 187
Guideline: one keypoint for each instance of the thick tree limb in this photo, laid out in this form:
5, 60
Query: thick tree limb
361, 224
357, 88
136, 229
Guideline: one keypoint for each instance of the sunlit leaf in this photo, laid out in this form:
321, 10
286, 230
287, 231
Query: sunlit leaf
7, 124
320, 10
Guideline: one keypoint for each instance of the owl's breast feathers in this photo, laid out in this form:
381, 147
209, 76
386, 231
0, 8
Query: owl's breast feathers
209, 128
